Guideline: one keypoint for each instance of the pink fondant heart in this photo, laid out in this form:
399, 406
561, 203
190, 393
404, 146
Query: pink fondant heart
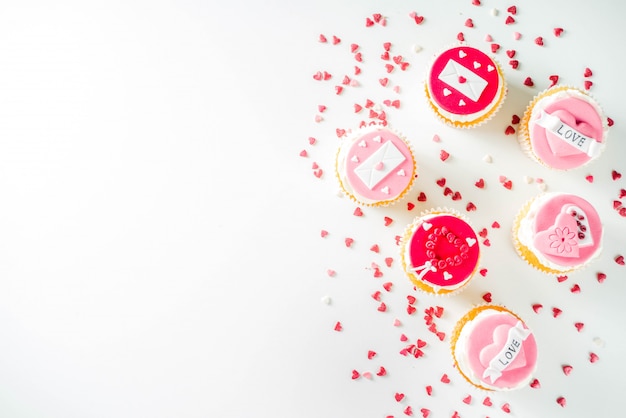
560, 239
500, 335
562, 148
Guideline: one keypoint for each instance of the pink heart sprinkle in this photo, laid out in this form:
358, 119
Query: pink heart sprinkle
567, 369
517, 36
376, 295
468, 399
349, 242
495, 225
429, 390
331, 273
445, 379
396, 322
506, 408
367, 375
379, 166
374, 248
357, 212
487, 401
593, 357
323, 233
303, 153
336, 40
382, 307
495, 47
561, 401
338, 327
388, 285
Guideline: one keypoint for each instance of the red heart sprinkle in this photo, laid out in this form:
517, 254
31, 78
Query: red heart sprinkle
575, 289
619, 260
323, 233
441, 335
469, 23
593, 357
346, 80
460, 37
381, 372
483, 233
487, 401
377, 17
553, 80
411, 299
438, 311
467, 399
376, 295
410, 206
567, 369
358, 57
421, 343
476, 2
385, 56
457, 196
354, 48
403, 338
617, 204
369, 22
508, 184
509, 20
589, 178
579, 326
441, 182
336, 40
588, 84
556, 312
515, 120
399, 396
318, 173
616, 175
462, 79
558, 32
371, 354
588, 72
426, 412
487, 243
537, 307
331, 272
338, 326
373, 114
378, 273
495, 47
506, 408
397, 59
357, 108
480, 183
388, 285
622, 193
447, 191
418, 19
327, 76
561, 279
387, 46
322, 38
318, 76
509, 130
421, 197
375, 248
357, 70
410, 310
483, 272
514, 64
487, 297
443, 155
388, 220
535, 384
417, 353
358, 212
529, 82
600, 277
510, 53
456, 415
445, 379
609, 121
539, 41
561, 401
512, 10
470, 207
495, 225
382, 307
429, 390
338, 89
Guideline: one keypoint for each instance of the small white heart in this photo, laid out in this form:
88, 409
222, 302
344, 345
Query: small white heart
426, 226
401, 172
462, 54
377, 139
446, 92
476, 65
490, 68
363, 144
446, 275
470, 241
461, 102
385, 190
354, 159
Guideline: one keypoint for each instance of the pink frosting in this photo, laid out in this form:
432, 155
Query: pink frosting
567, 229
478, 78
488, 338
383, 175
450, 247
552, 150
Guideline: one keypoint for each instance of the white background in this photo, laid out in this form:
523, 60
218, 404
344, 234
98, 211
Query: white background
160, 249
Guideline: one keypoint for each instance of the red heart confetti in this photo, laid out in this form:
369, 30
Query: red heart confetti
512, 10
377, 17
410, 309
331, 272
508, 184
558, 32
447, 191
515, 120
509, 20
483, 272
460, 37
495, 47
382, 307
456, 415
468, 399
609, 121
561, 279
381, 371
553, 80
388, 285
410, 206
388, 220
443, 155
509, 130
376, 295
441, 182
579, 326
371, 354
615, 175
561, 401
622, 193
445, 379
480, 183
318, 173
619, 260
438, 311
369, 22
588, 84
487, 401
483, 233
589, 178
470, 207
408, 411
421, 197
539, 41
357, 70
506, 408
537, 307
514, 64
469, 23
338, 326
336, 40
588, 72
476, 2
429, 390
457, 196
567, 369
487, 243
354, 48
529, 82
593, 357
399, 396
487, 297
411, 299
556, 312
426, 412
358, 57
495, 225
510, 53
617, 204
355, 375
575, 289
601, 277
387, 46
535, 384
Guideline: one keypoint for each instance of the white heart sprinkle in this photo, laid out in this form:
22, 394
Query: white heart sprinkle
528, 180
461, 102
462, 54
470, 241
542, 187
363, 144
446, 92
476, 64
417, 48
377, 139
488, 38
446, 275
426, 226
487, 158
325, 300
385, 190
490, 68
354, 159
401, 172
494, 12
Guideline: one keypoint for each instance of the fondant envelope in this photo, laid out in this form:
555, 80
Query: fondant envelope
472, 86
378, 165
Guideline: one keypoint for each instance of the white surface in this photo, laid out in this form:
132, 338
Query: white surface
159, 234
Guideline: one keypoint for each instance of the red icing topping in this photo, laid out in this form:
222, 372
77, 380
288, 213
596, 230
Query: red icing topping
449, 244
464, 80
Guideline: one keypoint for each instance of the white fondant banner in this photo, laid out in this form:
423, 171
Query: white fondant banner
568, 134
508, 353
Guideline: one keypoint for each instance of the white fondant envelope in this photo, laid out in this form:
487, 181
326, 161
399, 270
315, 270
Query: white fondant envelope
390, 157
472, 87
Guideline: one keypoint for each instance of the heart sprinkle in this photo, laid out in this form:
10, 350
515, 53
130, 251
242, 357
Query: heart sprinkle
615, 175
338, 326
509, 20
558, 32
443, 155
556, 312
539, 41
619, 260
506, 408
567, 369
537, 307
487, 297
593, 357
529, 82
601, 277
355, 375
535, 384
561, 401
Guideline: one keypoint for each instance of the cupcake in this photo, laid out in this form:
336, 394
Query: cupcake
493, 349
563, 128
557, 233
465, 87
440, 252
375, 166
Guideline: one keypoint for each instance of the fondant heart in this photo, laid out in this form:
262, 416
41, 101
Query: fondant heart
560, 239
500, 336
562, 148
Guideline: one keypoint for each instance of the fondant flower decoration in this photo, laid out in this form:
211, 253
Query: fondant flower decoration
562, 240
